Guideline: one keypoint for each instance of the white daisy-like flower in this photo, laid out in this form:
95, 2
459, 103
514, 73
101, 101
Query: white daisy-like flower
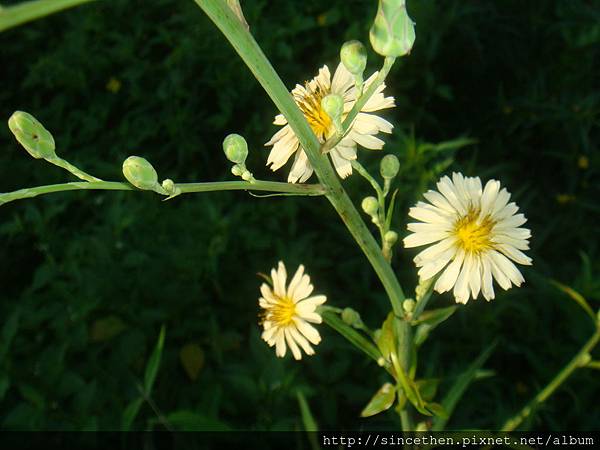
288, 313
362, 131
476, 232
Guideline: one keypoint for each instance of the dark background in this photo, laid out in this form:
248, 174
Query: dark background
88, 278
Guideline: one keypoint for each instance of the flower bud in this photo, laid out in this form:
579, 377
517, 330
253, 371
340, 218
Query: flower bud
393, 32
333, 105
390, 238
32, 135
389, 167
353, 55
235, 148
351, 317
237, 170
370, 205
140, 173
408, 305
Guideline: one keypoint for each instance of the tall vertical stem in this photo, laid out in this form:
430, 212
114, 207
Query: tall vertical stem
251, 53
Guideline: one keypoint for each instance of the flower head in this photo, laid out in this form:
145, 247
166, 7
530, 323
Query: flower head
308, 98
475, 234
287, 312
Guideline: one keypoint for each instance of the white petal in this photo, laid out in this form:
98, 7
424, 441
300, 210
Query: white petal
291, 290
514, 254
461, 288
487, 287
418, 239
435, 265
439, 201
508, 268
301, 169
307, 330
429, 215
280, 344
280, 120
302, 341
475, 278
434, 251
292, 344
448, 277
366, 140
342, 166
342, 80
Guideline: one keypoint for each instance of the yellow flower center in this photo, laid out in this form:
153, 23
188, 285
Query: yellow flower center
282, 312
310, 105
473, 234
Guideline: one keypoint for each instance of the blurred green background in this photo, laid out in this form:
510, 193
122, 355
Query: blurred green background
88, 278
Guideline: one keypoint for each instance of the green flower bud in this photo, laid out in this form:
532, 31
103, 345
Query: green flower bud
584, 360
389, 167
393, 32
370, 205
140, 173
390, 238
247, 176
353, 55
237, 170
32, 135
333, 105
408, 305
351, 317
235, 148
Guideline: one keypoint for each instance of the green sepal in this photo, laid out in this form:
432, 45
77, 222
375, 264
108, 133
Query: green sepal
393, 31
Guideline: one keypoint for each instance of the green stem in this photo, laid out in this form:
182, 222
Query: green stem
251, 53
64, 164
559, 379
12, 16
360, 103
405, 343
186, 188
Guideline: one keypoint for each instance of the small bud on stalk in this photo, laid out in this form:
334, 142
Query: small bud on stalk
32, 135
370, 205
140, 173
235, 148
393, 31
353, 55
408, 305
333, 105
390, 238
352, 318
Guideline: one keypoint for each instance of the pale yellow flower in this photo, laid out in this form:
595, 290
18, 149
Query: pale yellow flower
289, 311
362, 131
472, 234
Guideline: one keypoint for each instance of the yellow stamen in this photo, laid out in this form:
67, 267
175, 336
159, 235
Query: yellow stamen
474, 234
310, 105
281, 313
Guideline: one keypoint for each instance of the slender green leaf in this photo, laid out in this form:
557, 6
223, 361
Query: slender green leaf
577, 297
460, 386
355, 338
428, 320
386, 338
381, 401
409, 387
185, 420
154, 362
26, 11
308, 420
130, 414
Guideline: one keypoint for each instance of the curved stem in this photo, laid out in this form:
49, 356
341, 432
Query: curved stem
251, 53
512, 423
186, 188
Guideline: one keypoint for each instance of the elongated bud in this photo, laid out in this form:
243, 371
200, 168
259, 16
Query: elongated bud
353, 55
32, 135
235, 148
393, 32
333, 105
389, 167
141, 174
370, 205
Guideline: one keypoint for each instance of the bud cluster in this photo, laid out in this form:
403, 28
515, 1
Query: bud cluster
235, 148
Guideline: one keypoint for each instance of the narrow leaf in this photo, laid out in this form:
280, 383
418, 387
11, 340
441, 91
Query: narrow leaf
381, 401
577, 297
185, 420
130, 414
386, 340
428, 320
310, 424
154, 362
460, 386
355, 338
